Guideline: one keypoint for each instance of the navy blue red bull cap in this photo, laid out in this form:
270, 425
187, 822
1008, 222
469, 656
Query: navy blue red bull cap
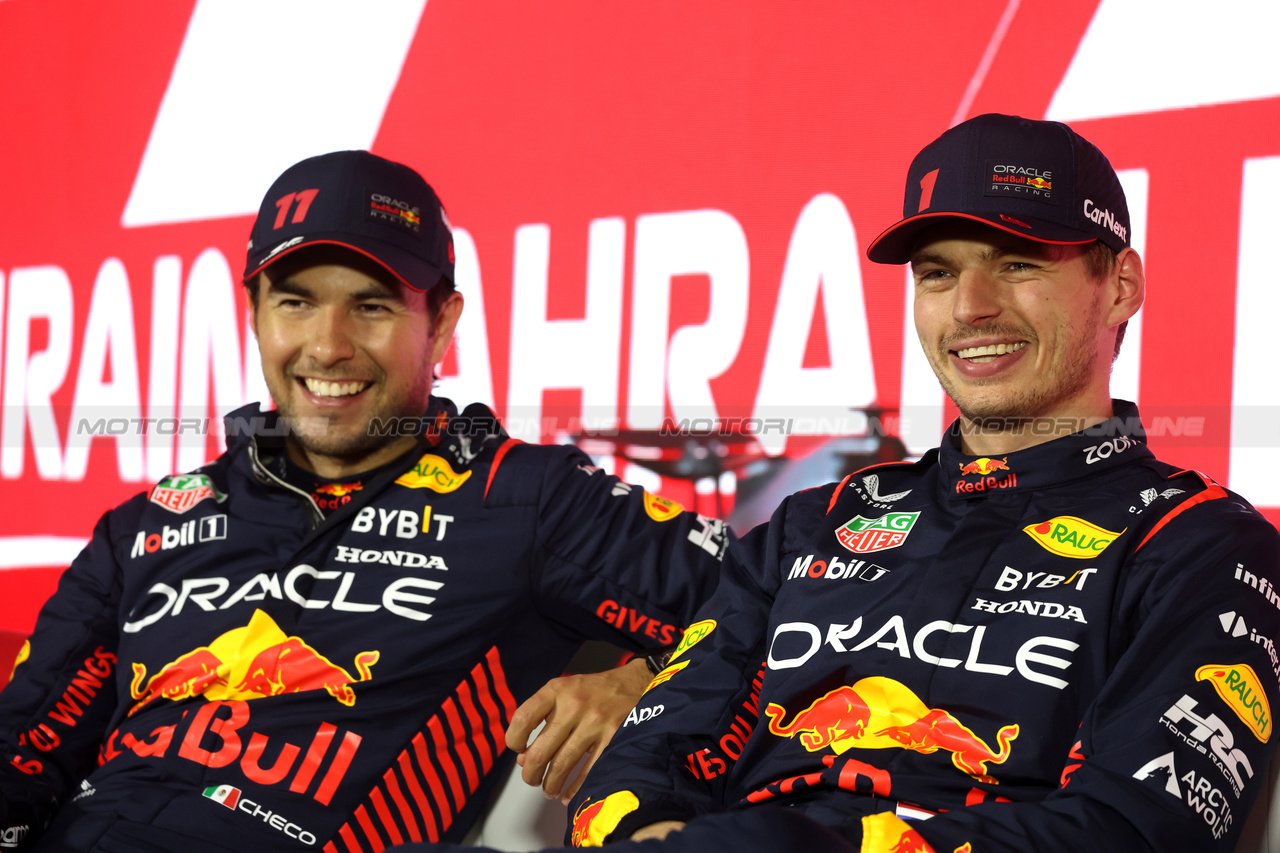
1037, 179
381, 209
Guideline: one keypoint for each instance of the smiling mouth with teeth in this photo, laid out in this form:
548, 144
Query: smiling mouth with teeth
982, 355
323, 388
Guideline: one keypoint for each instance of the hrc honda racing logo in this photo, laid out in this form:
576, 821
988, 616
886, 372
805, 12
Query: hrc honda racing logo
1197, 731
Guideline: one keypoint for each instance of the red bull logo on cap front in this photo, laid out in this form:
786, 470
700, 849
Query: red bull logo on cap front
880, 713
251, 662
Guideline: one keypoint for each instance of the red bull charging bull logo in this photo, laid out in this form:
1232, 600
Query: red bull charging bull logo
984, 466
880, 713
251, 662
339, 490
594, 821
885, 832
334, 495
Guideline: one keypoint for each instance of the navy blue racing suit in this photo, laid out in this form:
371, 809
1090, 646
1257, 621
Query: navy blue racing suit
227, 666
1066, 648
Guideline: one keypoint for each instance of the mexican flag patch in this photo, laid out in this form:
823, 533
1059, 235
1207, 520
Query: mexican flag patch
224, 794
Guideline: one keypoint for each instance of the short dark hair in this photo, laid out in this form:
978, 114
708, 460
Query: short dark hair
1100, 262
1099, 259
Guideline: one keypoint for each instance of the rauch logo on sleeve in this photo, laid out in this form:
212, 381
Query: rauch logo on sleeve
1239, 687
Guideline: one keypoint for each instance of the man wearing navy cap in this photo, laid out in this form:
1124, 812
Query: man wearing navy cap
1037, 637
320, 640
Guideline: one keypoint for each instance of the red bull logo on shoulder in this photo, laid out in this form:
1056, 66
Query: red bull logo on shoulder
251, 662
880, 713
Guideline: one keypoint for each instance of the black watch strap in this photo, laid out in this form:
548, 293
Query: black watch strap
656, 659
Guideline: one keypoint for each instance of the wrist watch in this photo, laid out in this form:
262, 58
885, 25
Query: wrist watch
656, 659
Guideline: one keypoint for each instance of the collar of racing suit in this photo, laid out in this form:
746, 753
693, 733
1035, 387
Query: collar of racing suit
1118, 441
251, 424
256, 443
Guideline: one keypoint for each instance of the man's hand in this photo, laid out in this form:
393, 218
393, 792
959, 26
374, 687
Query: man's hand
582, 712
659, 830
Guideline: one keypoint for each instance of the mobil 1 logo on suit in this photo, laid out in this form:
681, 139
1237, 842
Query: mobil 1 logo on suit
205, 529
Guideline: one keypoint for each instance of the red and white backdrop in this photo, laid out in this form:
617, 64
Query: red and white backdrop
661, 209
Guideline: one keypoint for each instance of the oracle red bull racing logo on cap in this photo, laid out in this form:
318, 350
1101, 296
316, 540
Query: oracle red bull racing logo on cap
864, 535
1022, 181
880, 713
250, 662
181, 492
593, 822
